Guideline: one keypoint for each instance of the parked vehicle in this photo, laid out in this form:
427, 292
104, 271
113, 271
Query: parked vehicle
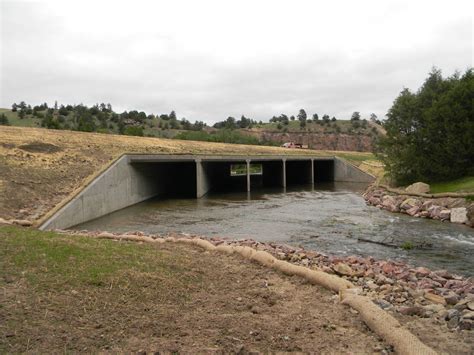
294, 145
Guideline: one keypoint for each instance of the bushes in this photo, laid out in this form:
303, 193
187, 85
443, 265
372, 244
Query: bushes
133, 131
4, 120
223, 136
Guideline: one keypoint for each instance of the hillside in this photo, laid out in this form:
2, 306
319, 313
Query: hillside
41, 167
317, 134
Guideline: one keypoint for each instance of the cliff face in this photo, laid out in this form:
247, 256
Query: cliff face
324, 141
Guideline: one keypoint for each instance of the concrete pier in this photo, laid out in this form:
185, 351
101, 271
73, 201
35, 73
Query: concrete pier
135, 178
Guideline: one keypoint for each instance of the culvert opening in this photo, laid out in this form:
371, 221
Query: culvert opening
323, 171
219, 176
272, 174
169, 179
298, 172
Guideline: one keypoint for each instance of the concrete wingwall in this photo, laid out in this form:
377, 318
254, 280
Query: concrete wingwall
121, 185
346, 172
133, 179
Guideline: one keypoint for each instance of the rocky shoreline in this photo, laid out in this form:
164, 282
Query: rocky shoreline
452, 209
394, 286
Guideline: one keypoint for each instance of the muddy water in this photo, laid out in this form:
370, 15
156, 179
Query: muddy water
331, 218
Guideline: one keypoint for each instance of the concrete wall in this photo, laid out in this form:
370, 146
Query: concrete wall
203, 179
133, 179
121, 185
344, 171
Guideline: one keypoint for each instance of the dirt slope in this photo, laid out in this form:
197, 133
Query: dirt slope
40, 167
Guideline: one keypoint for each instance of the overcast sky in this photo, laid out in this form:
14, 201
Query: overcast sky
208, 60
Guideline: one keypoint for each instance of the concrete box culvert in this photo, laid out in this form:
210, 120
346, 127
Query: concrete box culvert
135, 178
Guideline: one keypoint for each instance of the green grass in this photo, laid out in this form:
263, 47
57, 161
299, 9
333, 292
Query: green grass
357, 156
52, 261
407, 246
465, 184
14, 120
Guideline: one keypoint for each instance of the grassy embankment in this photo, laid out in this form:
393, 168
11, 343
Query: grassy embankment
45, 274
465, 184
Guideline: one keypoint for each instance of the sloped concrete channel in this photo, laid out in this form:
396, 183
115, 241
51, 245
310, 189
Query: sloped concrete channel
135, 178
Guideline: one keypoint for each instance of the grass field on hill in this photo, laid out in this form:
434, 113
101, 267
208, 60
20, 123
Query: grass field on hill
154, 126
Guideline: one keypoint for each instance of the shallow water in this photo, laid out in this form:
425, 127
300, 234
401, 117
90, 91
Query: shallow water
330, 218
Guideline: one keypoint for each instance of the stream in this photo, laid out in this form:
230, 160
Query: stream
331, 218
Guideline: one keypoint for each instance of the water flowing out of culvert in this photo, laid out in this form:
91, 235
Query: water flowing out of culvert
331, 218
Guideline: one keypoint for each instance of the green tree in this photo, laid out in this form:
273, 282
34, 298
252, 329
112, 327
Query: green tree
430, 134
302, 115
133, 131
49, 122
355, 116
230, 123
4, 120
174, 123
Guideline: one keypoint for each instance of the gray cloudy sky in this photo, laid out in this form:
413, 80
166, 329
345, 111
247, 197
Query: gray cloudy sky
212, 59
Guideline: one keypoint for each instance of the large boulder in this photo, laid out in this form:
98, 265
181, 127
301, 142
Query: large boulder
445, 214
390, 203
434, 211
410, 203
470, 215
418, 188
459, 215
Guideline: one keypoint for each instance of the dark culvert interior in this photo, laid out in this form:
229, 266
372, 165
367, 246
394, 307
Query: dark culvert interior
178, 179
220, 179
323, 171
298, 172
272, 174
171, 179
